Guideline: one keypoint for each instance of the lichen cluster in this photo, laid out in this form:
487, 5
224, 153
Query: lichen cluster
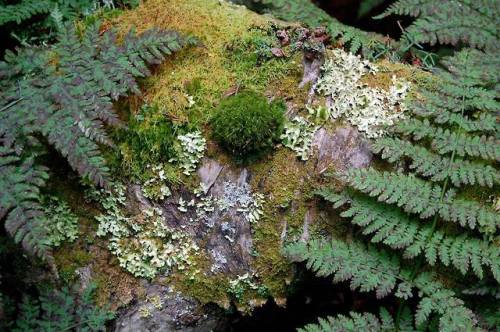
369, 109
298, 136
156, 187
193, 146
143, 244
59, 223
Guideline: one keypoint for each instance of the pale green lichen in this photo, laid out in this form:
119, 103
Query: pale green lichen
156, 187
193, 146
298, 136
244, 283
369, 109
143, 244
59, 223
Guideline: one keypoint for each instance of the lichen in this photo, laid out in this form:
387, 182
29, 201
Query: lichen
193, 146
59, 224
298, 136
370, 109
156, 187
143, 244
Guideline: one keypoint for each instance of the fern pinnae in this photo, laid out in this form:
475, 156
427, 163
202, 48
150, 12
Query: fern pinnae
451, 21
434, 166
370, 269
399, 231
68, 102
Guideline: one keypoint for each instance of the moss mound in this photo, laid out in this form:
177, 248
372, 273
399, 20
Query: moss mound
247, 125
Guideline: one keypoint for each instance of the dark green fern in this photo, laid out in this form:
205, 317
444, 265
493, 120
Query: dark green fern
472, 22
63, 310
64, 94
369, 269
358, 322
24, 10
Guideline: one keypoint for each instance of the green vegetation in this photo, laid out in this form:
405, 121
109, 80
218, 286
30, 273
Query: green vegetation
247, 125
474, 23
64, 94
38, 21
62, 310
60, 223
427, 212
418, 229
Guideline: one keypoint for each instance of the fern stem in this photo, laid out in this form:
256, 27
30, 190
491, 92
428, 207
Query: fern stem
11, 104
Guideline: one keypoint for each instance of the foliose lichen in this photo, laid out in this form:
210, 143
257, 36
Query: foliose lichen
59, 223
369, 109
298, 136
143, 244
193, 146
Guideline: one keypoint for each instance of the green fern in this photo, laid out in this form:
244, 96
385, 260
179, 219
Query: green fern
437, 168
23, 10
64, 93
451, 22
420, 197
449, 139
20, 180
62, 311
355, 322
370, 269
394, 228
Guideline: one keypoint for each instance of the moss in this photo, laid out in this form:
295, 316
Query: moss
284, 180
68, 259
247, 125
196, 282
383, 78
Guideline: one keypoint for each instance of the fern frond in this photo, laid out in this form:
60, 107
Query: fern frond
24, 11
366, 268
20, 181
445, 141
397, 230
434, 166
451, 21
370, 269
420, 197
352, 323
68, 102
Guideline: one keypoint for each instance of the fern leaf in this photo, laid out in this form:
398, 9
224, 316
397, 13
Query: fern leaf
20, 181
399, 231
372, 269
23, 11
420, 197
434, 166
354, 322
68, 102
451, 21
445, 141
366, 268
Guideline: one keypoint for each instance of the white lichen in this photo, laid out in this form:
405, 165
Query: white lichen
369, 109
156, 187
298, 136
193, 146
143, 244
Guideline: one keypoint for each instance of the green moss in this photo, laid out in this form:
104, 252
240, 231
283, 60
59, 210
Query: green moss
68, 259
247, 125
